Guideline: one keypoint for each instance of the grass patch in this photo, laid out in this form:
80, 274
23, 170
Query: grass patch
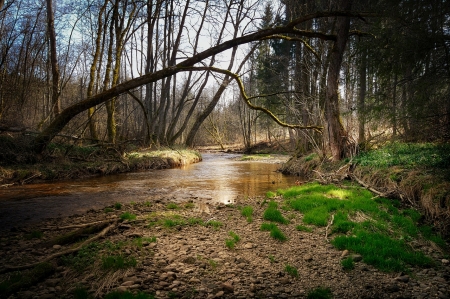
348, 264
117, 206
214, 223
84, 258
247, 212
116, 262
128, 216
275, 232
108, 210
320, 293
407, 155
271, 194
173, 206
375, 228
273, 214
303, 228
189, 205
292, 271
381, 251
231, 243
271, 258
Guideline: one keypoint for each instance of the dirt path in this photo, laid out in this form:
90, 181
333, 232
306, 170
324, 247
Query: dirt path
193, 261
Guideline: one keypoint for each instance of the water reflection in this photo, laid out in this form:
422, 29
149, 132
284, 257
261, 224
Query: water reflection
217, 179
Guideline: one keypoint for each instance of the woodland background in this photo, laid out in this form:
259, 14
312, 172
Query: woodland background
365, 71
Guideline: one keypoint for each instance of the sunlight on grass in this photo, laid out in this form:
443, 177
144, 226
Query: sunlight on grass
375, 228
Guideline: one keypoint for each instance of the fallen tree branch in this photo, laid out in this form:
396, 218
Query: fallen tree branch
379, 193
58, 254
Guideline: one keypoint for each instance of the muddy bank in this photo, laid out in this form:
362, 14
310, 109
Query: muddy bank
179, 251
96, 163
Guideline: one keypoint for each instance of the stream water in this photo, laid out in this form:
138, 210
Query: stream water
219, 178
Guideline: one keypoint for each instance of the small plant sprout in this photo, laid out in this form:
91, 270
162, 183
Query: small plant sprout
213, 264
230, 243
127, 216
291, 270
271, 258
172, 206
117, 206
247, 212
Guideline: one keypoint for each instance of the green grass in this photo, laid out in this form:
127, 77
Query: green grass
407, 155
383, 252
116, 262
271, 194
108, 210
172, 206
213, 264
348, 264
275, 232
231, 243
247, 212
84, 258
271, 258
303, 228
128, 216
214, 223
117, 206
320, 293
292, 271
273, 214
375, 228
189, 205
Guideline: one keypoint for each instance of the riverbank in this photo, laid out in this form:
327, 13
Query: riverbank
66, 163
418, 175
260, 247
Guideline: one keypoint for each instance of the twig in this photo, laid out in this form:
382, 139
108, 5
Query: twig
58, 254
75, 225
328, 226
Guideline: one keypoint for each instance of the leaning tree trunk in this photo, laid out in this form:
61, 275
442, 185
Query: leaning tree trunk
337, 135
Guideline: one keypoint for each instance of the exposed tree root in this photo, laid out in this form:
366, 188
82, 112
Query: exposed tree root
58, 254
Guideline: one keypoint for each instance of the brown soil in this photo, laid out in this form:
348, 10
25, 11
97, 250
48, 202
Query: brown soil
193, 261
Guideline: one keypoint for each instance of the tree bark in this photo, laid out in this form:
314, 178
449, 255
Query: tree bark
56, 103
337, 135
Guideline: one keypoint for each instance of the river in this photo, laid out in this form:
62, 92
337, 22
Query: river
219, 178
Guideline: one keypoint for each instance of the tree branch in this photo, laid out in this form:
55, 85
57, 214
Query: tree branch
247, 98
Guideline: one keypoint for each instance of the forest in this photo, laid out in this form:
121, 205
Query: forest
330, 76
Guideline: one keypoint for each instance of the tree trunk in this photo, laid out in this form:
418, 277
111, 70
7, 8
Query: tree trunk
56, 103
337, 136
361, 99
